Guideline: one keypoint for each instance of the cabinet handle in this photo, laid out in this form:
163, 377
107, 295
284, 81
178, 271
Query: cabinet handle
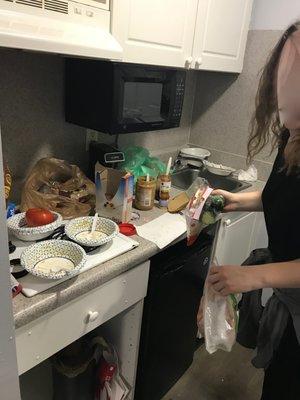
188, 62
92, 316
227, 222
198, 62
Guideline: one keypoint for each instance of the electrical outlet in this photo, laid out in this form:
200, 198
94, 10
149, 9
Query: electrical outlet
91, 136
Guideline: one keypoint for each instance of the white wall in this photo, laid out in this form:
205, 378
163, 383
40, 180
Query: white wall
274, 14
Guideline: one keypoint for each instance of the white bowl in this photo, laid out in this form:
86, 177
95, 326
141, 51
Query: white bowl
107, 227
18, 227
195, 152
218, 169
53, 259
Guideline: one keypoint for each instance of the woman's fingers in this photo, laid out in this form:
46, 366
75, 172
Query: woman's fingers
213, 278
220, 192
228, 279
218, 287
214, 270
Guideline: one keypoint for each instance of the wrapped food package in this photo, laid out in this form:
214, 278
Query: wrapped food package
202, 210
220, 320
58, 186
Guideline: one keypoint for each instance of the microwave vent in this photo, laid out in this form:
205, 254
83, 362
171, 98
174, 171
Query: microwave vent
56, 5
31, 3
59, 6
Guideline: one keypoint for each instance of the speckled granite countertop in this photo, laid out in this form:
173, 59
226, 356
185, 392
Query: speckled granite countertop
28, 309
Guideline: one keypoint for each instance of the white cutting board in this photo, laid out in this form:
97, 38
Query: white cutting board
33, 285
163, 230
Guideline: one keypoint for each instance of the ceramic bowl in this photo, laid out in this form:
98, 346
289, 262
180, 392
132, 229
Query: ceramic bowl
108, 229
18, 227
218, 169
53, 259
195, 152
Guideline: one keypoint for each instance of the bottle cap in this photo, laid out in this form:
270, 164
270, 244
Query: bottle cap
127, 229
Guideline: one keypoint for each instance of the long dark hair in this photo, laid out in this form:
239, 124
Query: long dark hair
265, 125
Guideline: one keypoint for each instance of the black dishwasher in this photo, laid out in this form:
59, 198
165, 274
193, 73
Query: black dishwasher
169, 329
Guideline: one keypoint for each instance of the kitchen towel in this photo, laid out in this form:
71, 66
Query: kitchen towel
32, 285
163, 230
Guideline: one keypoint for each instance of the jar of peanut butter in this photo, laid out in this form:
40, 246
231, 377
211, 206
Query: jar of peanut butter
145, 193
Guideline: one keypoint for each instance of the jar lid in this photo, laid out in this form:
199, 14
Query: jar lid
127, 229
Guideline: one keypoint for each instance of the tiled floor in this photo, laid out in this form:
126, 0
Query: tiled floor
221, 376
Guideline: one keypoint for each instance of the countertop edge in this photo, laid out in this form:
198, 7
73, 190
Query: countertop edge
73, 288
27, 309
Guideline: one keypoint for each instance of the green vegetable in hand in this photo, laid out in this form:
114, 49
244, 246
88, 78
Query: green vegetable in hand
217, 202
208, 218
212, 207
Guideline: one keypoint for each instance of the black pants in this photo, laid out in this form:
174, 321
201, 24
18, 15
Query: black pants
282, 377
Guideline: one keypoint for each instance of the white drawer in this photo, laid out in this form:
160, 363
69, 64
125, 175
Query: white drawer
45, 336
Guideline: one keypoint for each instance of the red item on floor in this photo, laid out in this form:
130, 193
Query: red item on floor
105, 374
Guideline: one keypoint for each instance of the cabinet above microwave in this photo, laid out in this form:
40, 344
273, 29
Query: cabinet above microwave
197, 34
118, 98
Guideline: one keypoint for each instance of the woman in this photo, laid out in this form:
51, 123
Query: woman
274, 330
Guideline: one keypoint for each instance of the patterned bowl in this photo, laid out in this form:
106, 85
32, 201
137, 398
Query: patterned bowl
53, 259
18, 227
77, 228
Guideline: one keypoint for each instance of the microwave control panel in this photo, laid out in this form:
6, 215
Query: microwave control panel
178, 104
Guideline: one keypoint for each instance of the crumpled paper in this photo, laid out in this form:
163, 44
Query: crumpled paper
250, 175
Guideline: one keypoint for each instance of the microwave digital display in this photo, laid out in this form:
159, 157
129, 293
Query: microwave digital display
117, 98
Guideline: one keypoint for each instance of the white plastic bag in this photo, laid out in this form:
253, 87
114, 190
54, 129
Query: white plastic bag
220, 320
249, 176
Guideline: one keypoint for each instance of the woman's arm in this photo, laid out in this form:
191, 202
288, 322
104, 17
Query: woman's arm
241, 201
235, 279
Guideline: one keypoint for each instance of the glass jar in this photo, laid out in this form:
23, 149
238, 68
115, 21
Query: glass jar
145, 193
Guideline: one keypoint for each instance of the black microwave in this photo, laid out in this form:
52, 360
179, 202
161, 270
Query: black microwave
115, 98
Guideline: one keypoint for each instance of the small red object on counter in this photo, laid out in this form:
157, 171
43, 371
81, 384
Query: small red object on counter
16, 287
127, 229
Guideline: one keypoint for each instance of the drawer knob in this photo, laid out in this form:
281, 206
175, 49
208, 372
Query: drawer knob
227, 222
188, 62
198, 62
92, 316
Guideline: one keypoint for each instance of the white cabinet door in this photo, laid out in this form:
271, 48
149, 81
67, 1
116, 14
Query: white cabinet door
221, 34
234, 237
154, 31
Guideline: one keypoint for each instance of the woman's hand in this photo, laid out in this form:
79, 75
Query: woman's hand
232, 279
231, 200
250, 201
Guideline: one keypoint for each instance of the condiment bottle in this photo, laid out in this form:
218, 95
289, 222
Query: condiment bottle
164, 190
165, 186
145, 193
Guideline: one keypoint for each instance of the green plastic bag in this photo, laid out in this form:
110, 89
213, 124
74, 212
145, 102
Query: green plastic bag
139, 163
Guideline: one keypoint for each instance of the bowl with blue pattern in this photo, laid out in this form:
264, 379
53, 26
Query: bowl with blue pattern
79, 229
53, 259
17, 225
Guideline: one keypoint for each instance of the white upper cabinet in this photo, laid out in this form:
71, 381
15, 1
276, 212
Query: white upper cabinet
158, 32
198, 34
221, 34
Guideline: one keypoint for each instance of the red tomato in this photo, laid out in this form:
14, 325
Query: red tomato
38, 217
